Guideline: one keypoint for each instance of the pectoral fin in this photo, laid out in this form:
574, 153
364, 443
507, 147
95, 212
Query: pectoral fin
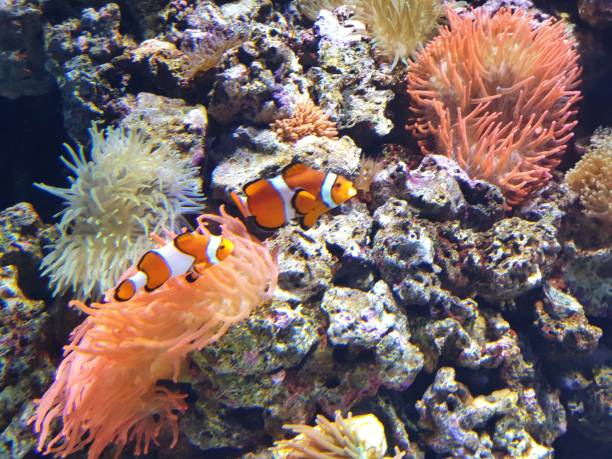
240, 204
309, 220
304, 202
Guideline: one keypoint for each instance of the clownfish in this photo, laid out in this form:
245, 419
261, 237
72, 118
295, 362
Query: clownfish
188, 253
299, 191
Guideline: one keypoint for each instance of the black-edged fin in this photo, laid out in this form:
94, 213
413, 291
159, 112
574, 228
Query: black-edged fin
252, 187
124, 291
295, 168
153, 265
177, 240
261, 232
303, 202
240, 204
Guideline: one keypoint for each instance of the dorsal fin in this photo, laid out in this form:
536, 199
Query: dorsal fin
252, 188
294, 169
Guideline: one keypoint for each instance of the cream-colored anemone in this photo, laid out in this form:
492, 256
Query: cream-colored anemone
359, 437
132, 186
591, 177
398, 27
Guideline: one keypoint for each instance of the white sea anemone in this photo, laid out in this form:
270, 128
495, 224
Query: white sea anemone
131, 187
398, 27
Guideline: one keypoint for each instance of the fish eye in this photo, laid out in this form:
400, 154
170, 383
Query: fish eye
337, 185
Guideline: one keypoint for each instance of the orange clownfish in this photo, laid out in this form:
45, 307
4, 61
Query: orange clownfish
188, 253
299, 191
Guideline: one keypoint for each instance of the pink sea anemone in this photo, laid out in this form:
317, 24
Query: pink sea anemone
498, 95
106, 389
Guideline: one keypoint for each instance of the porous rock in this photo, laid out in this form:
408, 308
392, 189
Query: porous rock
588, 274
171, 121
514, 257
588, 398
25, 367
481, 341
344, 80
372, 321
22, 58
560, 319
455, 423
79, 55
275, 336
265, 78
439, 189
404, 252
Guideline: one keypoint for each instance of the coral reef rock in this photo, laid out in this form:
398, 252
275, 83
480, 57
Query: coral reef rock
560, 319
588, 274
588, 393
345, 78
372, 321
80, 52
22, 59
172, 121
266, 77
457, 424
25, 368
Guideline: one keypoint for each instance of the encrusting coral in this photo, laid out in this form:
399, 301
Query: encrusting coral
591, 177
398, 27
497, 94
131, 187
106, 391
307, 119
351, 438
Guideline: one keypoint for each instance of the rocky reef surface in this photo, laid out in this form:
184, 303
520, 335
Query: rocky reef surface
470, 329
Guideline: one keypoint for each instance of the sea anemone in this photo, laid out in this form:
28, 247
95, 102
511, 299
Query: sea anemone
346, 438
497, 94
591, 177
132, 186
311, 8
398, 27
307, 119
368, 169
205, 49
106, 389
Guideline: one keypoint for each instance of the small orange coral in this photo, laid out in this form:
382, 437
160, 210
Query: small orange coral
106, 390
498, 95
307, 119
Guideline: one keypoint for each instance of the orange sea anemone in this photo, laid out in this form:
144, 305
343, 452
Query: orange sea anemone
497, 94
307, 119
106, 389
